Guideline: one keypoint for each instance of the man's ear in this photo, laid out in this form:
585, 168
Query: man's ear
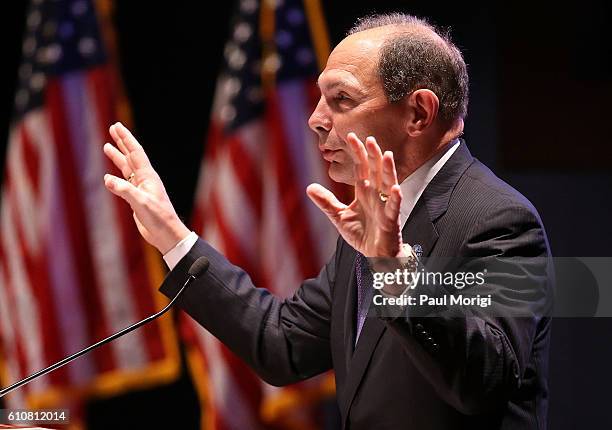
423, 105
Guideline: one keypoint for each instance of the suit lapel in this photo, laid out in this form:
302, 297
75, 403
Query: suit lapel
371, 332
350, 311
419, 231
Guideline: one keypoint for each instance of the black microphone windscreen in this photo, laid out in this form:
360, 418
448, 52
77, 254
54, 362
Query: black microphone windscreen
199, 267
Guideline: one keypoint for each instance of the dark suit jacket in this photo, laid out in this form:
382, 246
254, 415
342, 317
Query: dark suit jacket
443, 372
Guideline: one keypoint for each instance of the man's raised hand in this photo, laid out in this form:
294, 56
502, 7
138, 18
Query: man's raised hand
144, 191
370, 224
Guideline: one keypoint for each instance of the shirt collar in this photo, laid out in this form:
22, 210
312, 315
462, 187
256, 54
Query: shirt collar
413, 186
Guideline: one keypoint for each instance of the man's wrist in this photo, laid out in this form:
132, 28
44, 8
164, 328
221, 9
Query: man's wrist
387, 264
176, 254
406, 251
406, 260
177, 233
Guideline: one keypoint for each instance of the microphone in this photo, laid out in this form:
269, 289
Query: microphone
197, 269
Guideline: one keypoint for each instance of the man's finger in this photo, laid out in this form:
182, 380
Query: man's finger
113, 132
359, 155
392, 207
118, 159
136, 156
125, 190
126, 137
365, 194
325, 200
389, 174
375, 162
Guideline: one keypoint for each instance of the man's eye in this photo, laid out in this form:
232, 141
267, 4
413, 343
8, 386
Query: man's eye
341, 97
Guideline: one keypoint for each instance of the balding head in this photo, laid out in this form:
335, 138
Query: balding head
414, 54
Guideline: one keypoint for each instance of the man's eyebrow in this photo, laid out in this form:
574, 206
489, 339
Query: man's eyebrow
337, 83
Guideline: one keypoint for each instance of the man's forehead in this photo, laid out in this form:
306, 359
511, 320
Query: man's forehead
354, 59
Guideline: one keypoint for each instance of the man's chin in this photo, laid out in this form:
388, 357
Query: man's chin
341, 174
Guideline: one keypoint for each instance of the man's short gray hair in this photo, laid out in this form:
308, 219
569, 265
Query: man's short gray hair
413, 58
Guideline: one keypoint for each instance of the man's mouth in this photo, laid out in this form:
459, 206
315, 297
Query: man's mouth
330, 154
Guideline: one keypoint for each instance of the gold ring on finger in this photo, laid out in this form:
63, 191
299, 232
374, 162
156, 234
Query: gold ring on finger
383, 197
129, 178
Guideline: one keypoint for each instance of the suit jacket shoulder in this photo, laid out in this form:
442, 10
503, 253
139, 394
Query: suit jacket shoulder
482, 205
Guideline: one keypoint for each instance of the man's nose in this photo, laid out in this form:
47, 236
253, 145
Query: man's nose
320, 121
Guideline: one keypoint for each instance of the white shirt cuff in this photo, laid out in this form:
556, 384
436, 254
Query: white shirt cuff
181, 249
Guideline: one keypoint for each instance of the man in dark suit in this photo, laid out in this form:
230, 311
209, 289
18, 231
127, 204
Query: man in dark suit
425, 198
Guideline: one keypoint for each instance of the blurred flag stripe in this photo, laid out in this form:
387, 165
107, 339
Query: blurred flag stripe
16, 346
290, 192
229, 194
26, 320
98, 86
64, 276
10, 357
74, 211
36, 267
294, 107
29, 166
241, 164
101, 225
235, 409
228, 240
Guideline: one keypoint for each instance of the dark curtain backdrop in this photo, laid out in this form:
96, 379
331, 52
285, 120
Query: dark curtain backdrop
539, 117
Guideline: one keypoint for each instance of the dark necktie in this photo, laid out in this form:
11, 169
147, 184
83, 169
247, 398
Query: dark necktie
364, 292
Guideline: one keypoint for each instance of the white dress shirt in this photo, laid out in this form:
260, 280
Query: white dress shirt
414, 185
412, 188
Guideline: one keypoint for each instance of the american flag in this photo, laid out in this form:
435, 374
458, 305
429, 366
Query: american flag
73, 268
251, 202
